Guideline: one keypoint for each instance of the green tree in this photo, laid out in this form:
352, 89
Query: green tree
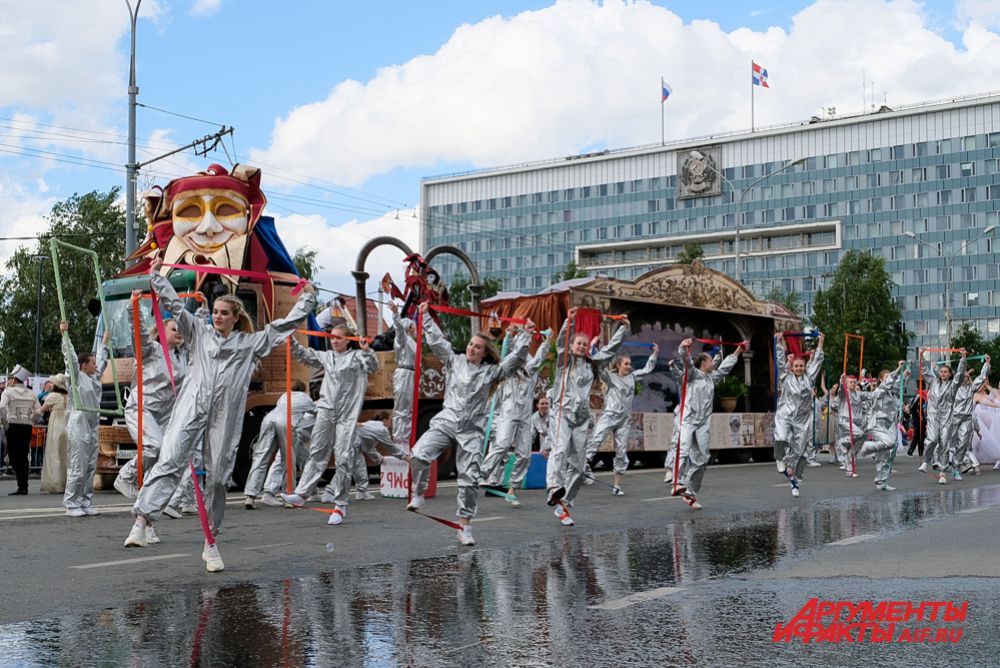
571, 271
457, 328
305, 262
790, 300
692, 251
859, 301
94, 221
971, 339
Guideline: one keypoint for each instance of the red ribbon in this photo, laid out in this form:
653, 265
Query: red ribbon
202, 513
472, 314
161, 331
447, 523
717, 342
243, 273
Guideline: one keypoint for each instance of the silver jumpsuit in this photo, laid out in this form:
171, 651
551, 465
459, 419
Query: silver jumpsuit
209, 409
619, 396
697, 420
368, 435
513, 422
845, 416
882, 430
81, 429
793, 419
157, 404
273, 442
675, 435
542, 426
940, 404
965, 417
574, 377
341, 395
462, 420
405, 349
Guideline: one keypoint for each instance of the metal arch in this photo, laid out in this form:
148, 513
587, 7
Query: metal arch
361, 276
475, 284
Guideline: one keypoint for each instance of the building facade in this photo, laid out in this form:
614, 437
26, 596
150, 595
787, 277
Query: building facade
919, 186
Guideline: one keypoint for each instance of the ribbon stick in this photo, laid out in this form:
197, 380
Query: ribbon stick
419, 322
137, 345
289, 474
447, 523
638, 344
680, 426
161, 331
847, 342
717, 342
202, 513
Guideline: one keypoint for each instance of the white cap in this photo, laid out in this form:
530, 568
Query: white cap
20, 373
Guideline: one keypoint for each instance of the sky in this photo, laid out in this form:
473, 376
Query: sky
345, 106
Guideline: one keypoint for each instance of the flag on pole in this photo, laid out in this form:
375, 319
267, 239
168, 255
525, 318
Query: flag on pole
665, 91
759, 75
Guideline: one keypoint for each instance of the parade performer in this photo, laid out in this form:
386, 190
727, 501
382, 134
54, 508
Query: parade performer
882, 427
157, 403
81, 425
574, 376
208, 411
54, 459
514, 431
619, 396
272, 442
675, 371
695, 437
368, 436
793, 419
341, 395
965, 419
541, 424
18, 405
469, 378
851, 422
405, 350
940, 406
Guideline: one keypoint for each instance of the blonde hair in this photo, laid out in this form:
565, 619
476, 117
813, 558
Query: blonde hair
243, 322
491, 355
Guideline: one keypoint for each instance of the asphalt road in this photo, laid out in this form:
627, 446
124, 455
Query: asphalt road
641, 580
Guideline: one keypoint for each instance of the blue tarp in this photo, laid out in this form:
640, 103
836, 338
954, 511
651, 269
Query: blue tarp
278, 259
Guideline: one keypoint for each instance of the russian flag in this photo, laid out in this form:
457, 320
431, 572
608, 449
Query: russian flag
665, 91
759, 75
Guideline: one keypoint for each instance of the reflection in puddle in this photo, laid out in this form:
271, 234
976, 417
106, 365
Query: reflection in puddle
525, 605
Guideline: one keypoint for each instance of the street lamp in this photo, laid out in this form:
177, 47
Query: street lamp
697, 155
38, 314
948, 259
131, 168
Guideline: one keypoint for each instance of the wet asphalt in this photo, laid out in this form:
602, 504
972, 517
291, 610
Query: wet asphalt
642, 580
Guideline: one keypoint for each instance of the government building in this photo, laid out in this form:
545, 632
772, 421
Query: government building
918, 185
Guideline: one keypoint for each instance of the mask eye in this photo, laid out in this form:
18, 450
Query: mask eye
227, 209
191, 210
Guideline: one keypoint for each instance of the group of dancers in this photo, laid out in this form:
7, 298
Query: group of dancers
195, 387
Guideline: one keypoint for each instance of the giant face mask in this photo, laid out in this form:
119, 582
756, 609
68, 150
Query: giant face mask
207, 219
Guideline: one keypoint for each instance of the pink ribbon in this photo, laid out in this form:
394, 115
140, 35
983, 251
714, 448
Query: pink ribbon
243, 273
161, 331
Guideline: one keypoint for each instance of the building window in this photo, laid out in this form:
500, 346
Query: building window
569, 194
636, 186
944, 197
831, 161
507, 202
602, 190
874, 180
895, 177
619, 231
920, 149
968, 143
568, 236
968, 168
553, 195
944, 146
536, 198
567, 215
768, 215
620, 188
896, 152
968, 195
584, 192
652, 206
788, 213
918, 174
810, 211
602, 233
874, 155
942, 172
637, 229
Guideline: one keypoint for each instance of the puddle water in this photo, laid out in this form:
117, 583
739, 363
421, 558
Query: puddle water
527, 605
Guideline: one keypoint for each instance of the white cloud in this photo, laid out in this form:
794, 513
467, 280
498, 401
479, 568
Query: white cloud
338, 247
985, 13
581, 74
204, 8
25, 212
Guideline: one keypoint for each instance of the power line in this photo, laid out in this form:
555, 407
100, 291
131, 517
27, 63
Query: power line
174, 113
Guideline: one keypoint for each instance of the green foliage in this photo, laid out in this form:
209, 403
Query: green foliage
972, 339
571, 271
859, 301
93, 221
790, 300
305, 262
692, 251
731, 386
457, 328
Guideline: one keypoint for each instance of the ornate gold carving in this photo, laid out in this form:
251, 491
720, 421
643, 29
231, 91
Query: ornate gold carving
688, 285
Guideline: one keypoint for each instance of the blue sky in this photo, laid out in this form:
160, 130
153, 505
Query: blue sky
437, 87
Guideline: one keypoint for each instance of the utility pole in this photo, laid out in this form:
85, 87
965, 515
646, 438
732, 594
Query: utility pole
131, 168
202, 147
38, 314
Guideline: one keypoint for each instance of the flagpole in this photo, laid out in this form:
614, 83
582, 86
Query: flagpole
751, 95
663, 139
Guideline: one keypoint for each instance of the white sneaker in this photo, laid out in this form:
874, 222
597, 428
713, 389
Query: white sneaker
293, 500
248, 502
780, 465
364, 496
669, 477
843, 467
151, 537
795, 492
213, 560
271, 500
691, 500
337, 516
416, 502
136, 536
923, 467
617, 491
126, 489
172, 513
465, 536
189, 509
512, 500
90, 511
886, 488
564, 517
588, 478
942, 479
327, 497
75, 512
813, 465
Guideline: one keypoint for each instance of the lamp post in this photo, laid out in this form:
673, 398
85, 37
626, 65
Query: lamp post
131, 168
948, 259
38, 314
697, 155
